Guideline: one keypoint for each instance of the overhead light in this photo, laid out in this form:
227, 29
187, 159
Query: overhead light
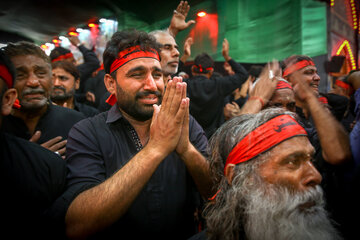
201, 14
102, 20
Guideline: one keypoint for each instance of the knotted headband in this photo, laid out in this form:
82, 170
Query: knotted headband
63, 57
265, 137
132, 53
297, 66
201, 69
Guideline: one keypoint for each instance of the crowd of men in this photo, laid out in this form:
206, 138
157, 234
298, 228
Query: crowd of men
129, 149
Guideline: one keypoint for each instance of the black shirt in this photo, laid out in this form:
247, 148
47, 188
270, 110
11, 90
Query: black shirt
85, 109
207, 96
97, 147
56, 121
32, 180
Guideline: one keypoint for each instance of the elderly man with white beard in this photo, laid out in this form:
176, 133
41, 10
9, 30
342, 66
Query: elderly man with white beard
267, 185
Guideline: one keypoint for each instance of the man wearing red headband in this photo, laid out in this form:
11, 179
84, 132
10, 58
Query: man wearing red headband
268, 187
208, 92
134, 169
31, 177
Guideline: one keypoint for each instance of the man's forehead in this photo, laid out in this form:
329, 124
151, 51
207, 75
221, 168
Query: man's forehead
310, 67
28, 60
166, 39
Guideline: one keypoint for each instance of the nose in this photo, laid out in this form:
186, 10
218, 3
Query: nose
33, 80
56, 81
316, 77
150, 83
311, 176
175, 52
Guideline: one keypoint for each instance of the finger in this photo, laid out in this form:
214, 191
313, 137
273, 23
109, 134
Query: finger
180, 114
177, 99
51, 142
62, 151
179, 7
35, 137
57, 146
169, 88
190, 23
156, 112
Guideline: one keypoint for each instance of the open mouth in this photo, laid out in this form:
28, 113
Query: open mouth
149, 99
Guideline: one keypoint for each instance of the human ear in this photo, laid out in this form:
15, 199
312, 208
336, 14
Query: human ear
229, 172
110, 83
8, 100
77, 83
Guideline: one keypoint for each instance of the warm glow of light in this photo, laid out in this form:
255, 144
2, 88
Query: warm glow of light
44, 47
55, 41
353, 12
91, 25
73, 34
201, 14
332, 3
348, 48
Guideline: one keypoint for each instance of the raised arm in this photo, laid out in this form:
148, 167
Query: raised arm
178, 20
102, 205
333, 138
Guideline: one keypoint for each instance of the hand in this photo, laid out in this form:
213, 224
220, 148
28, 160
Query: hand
187, 46
303, 92
231, 110
55, 144
225, 50
167, 121
90, 97
177, 22
74, 40
265, 86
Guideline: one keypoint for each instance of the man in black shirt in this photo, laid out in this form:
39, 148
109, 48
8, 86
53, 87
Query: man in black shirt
32, 178
37, 119
208, 95
136, 170
66, 79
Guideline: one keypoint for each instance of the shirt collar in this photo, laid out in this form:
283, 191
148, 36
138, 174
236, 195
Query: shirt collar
114, 114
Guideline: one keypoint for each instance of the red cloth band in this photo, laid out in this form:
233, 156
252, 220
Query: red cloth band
5, 74
342, 84
201, 69
132, 53
297, 66
63, 57
283, 84
264, 138
111, 99
323, 100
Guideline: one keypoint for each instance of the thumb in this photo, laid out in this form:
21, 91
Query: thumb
35, 137
156, 112
190, 23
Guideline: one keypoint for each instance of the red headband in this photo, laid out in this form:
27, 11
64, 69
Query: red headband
264, 138
201, 69
297, 66
132, 53
342, 84
63, 57
5, 74
323, 100
283, 84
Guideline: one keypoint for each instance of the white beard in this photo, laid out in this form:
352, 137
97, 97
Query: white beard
275, 213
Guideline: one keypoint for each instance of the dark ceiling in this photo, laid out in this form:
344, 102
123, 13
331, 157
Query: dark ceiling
40, 20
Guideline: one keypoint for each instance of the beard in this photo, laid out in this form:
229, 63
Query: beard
274, 212
132, 107
57, 96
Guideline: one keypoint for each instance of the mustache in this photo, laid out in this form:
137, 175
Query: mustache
60, 88
33, 91
147, 93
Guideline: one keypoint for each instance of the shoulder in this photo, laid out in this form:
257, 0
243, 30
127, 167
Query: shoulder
199, 236
65, 112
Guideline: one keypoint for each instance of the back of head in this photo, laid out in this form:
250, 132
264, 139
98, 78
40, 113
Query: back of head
57, 52
203, 63
7, 70
24, 48
255, 70
68, 67
125, 39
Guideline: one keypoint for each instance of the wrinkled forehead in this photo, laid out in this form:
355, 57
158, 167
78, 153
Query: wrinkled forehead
283, 95
165, 39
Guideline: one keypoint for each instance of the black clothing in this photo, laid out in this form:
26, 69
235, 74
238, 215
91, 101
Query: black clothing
338, 105
207, 96
85, 109
32, 181
97, 147
103, 105
56, 121
97, 86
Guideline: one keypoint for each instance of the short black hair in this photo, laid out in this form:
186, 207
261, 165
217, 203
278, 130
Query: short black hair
57, 52
255, 70
23, 48
125, 39
68, 67
205, 61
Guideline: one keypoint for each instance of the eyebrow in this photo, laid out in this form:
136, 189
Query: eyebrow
299, 154
142, 68
170, 45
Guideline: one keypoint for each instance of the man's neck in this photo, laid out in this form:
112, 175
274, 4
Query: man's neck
30, 118
142, 128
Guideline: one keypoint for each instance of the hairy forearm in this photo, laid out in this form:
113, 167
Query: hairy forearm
198, 168
333, 138
102, 205
251, 106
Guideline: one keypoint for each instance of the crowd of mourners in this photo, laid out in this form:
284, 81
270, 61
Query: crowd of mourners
137, 146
